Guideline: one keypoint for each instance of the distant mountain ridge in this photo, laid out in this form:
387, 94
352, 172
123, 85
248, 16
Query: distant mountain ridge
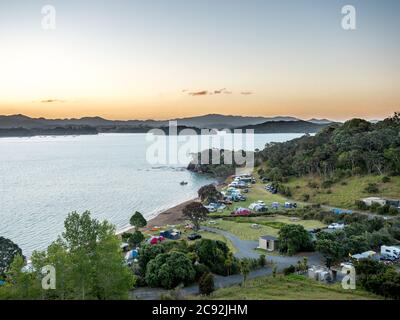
215, 121
298, 126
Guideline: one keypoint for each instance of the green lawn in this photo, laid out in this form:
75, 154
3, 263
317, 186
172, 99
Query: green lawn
268, 225
344, 193
291, 287
244, 230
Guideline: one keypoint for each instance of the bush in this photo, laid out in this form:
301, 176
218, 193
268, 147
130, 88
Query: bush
372, 188
374, 207
289, 270
361, 205
213, 254
206, 284
168, 270
305, 197
385, 179
200, 269
261, 261
327, 184
393, 211
313, 184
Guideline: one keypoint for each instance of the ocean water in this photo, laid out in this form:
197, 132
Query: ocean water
42, 179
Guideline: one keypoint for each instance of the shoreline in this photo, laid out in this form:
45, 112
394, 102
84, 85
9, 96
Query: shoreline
171, 216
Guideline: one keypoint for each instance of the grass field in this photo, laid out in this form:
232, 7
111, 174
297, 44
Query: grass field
344, 193
268, 225
291, 287
244, 230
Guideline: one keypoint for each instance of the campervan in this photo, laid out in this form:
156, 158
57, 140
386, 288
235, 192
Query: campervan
390, 251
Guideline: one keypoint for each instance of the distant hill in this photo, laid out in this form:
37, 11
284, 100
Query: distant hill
298, 126
320, 121
212, 121
22, 125
218, 121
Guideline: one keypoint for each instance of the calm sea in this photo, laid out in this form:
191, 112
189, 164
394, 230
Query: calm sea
42, 179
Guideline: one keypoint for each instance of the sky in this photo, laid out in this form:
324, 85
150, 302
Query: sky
159, 59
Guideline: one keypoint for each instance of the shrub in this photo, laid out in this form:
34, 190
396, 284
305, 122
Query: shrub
289, 270
374, 207
393, 211
372, 188
261, 260
312, 184
206, 284
305, 197
385, 179
361, 205
168, 270
200, 269
213, 254
327, 184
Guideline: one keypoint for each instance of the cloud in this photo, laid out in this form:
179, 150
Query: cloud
246, 93
219, 91
198, 93
52, 101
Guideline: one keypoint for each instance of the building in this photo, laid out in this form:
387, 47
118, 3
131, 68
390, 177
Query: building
268, 243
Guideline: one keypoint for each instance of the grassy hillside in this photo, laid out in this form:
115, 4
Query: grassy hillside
344, 193
291, 287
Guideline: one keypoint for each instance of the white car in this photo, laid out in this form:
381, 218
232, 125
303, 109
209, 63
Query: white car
210, 208
336, 226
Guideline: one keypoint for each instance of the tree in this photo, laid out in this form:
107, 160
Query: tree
138, 221
206, 284
244, 268
196, 213
209, 193
8, 251
21, 285
331, 250
214, 254
136, 238
294, 238
168, 270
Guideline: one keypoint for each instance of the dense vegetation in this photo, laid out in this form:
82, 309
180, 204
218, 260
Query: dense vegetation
8, 251
356, 147
87, 261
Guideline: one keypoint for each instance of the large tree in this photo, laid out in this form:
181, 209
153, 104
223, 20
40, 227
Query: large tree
168, 270
87, 260
196, 213
209, 193
8, 251
138, 221
294, 238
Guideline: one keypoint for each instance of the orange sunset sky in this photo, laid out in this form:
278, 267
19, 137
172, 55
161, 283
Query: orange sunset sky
167, 59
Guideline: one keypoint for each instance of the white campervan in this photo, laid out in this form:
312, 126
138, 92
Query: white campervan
390, 251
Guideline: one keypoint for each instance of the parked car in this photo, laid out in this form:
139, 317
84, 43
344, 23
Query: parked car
194, 236
336, 226
242, 212
210, 208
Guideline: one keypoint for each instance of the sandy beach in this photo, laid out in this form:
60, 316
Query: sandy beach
170, 216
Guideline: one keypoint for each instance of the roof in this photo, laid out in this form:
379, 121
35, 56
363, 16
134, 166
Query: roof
269, 238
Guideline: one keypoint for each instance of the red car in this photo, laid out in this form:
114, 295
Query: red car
242, 212
156, 240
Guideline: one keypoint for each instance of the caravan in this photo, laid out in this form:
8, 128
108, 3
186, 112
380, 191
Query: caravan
390, 251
